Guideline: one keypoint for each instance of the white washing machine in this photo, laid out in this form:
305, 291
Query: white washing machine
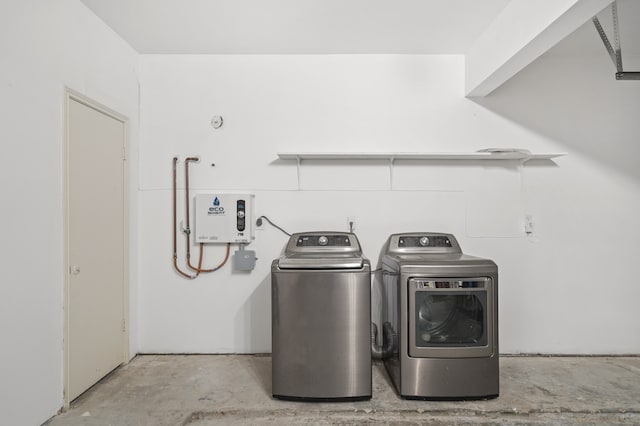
440, 317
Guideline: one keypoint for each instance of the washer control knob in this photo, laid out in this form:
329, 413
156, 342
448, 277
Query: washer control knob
424, 241
323, 241
241, 214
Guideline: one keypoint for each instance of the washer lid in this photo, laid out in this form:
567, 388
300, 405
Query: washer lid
322, 250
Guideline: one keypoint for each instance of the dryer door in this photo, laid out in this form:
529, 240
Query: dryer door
451, 318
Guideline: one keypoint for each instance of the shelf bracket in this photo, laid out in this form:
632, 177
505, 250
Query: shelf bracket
298, 160
391, 161
615, 52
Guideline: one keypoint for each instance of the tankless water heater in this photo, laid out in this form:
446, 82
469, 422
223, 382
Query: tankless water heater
224, 218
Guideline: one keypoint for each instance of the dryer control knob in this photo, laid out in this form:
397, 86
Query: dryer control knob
424, 241
323, 241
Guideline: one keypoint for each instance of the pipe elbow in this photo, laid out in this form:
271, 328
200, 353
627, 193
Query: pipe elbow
384, 350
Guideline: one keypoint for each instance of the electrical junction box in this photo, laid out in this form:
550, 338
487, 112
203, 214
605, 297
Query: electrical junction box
244, 260
224, 218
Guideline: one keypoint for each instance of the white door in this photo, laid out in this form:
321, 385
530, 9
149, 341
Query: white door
96, 337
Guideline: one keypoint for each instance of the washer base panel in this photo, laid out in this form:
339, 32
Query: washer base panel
305, 399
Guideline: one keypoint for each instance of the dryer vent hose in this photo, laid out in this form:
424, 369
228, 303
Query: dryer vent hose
388, 341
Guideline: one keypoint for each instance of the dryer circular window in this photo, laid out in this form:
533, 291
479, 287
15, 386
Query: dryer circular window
448, 316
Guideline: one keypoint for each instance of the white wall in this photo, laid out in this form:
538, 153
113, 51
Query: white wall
572, 287
44, 46
566, 289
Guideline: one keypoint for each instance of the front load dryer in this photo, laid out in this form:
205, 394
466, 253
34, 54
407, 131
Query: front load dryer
441, 315
321, 319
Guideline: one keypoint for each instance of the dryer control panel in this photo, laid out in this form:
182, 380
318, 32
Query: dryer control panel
423, 242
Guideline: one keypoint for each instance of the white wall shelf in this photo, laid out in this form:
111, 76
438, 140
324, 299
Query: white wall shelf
391, 156
520, 155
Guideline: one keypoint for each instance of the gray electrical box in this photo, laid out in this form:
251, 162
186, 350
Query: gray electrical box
244, 260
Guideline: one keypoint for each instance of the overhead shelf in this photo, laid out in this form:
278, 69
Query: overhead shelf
492, 154
391, 156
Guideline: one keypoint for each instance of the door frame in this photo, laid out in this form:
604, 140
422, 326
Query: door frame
72, 95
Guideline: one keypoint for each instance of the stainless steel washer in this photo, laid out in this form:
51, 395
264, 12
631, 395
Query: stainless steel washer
440, 318
321, 319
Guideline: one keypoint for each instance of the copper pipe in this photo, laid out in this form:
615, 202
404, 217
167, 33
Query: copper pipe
200, 269
226, 257
187, 230
175, 226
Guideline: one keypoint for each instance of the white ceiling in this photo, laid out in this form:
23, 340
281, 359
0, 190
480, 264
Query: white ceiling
332, 26
298, 26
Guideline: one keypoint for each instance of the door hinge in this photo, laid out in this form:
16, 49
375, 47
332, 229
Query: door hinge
124, 325
124, 153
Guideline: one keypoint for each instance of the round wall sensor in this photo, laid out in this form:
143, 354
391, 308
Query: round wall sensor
216, 121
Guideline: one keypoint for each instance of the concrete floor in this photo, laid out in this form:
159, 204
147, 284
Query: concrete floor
199, 390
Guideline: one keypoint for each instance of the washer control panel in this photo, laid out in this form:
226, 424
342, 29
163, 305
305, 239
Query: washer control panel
323, 241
